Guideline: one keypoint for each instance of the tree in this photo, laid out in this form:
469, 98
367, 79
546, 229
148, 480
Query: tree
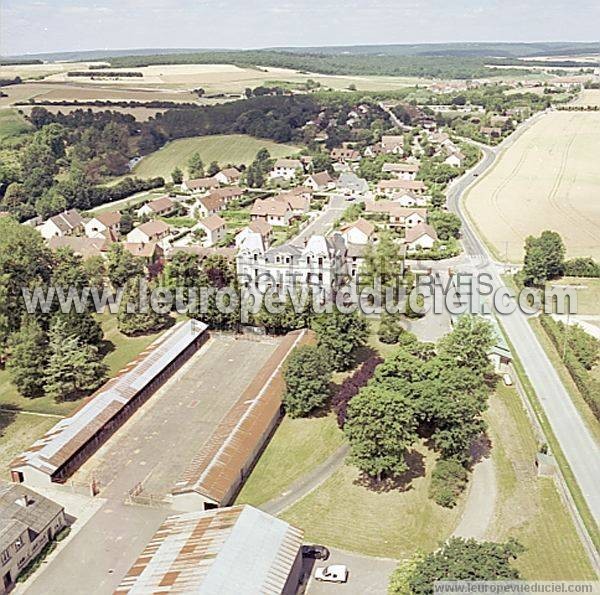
177, 176
463, 559
448, 481
213, 168
27, 364
447, 225
544, 258
307, 376
74, 367
380, 427
382, 262
135, 317
340, 334
196, 166
121, 265
389, 329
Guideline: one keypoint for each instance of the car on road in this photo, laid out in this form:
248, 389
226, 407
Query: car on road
475, 175
336, 573
318, 552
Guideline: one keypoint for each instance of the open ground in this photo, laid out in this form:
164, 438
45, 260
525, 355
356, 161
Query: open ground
589, 97
548, 179
227, 148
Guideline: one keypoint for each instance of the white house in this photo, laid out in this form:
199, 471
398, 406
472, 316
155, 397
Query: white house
157, 208
360, 232
286, 169
408, 199
228, 176
320, 182
407, 217
391, 187
215, 230
260, 227
455, 159
152, 231
199, 185
401, 171
272, 210
298, 202
104, 225
392, 144
66, 223
420, 237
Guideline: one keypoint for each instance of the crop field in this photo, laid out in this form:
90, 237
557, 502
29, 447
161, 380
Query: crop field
548, 179
12, 125
589, 97
228, 148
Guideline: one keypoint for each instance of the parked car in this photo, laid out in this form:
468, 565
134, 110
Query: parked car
507, 378
318, 552
336, 573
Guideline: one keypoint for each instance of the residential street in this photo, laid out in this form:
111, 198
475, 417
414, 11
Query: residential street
323, 222
577, 443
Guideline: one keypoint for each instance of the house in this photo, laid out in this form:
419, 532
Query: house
67, 223
286, 169
354, 259
399, 216
150, 252
28, 521
104, 225
215, 229
360, 232
82, 246
227, 194
350, 184
438, 138
491, 132
199, 185
260, 227
345, 155
391, 187
209, 205
408, 199
401, 171
392, 144
152, 231
320, 264
455, 159
298, 202
161, 207
374, 150
420, 237
320, 182
500, 122
228, 176
227, 551
271, 210
72, 440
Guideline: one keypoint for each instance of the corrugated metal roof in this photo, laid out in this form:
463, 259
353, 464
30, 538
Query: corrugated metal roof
217, 466
226, 551
60, 443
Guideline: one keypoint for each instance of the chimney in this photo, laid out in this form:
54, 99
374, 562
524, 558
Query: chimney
23, 501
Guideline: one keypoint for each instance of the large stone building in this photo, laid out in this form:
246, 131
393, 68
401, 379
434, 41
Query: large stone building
320, 263
28, 522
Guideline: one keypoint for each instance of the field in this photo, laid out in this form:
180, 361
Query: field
588, 294
529, 508
12, 125
234, 148
588, 97
548, 179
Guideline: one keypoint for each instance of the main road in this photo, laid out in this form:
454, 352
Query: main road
577, 443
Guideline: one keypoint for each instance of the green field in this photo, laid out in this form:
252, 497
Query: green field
529, 508
12, 125
588, 294
298, 446
236, 149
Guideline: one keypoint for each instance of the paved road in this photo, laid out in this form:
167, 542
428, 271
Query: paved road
325, 219
577, 443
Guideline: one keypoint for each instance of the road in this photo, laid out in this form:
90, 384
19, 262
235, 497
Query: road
324, 221
576, 441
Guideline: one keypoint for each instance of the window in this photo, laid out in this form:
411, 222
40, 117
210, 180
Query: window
5, 556
18, 544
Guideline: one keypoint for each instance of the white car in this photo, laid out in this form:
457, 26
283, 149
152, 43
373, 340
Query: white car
336, 573
507, 378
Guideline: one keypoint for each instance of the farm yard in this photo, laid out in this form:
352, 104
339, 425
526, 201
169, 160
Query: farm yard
233, 148
548, 179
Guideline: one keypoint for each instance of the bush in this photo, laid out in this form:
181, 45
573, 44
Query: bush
448, 481
582, 267
389, 329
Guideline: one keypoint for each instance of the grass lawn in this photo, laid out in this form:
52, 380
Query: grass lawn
529, 508
555, 357
298, 446
588, 293
345, 514
236, 218
12, 125
179, 221
225, 148
17, 432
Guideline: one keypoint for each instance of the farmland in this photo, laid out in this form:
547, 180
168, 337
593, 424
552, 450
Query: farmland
233, 148
12, 125
589, 97
548, 179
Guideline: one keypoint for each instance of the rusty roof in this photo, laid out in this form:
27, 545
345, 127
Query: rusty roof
226, 551
217, 466
62, 441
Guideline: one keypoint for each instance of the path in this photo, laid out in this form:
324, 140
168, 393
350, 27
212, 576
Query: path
481, 502
307, 483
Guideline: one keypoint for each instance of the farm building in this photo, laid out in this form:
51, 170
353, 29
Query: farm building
218, 471
62, 450
227, 551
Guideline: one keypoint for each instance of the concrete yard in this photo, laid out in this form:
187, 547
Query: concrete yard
154, 447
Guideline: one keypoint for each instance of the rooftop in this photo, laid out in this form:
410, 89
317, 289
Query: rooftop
226, 551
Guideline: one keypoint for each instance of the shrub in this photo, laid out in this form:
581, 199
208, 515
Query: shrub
448, 481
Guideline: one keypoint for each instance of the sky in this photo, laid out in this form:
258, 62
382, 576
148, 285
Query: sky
35, 26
